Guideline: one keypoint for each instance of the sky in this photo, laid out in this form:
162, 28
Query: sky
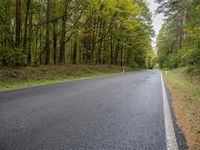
157, 19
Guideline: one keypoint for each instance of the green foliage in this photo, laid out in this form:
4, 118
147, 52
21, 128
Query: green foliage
95, 32
179, 39
12, 56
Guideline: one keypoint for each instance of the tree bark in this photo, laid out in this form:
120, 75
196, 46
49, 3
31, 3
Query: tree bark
111, 49
99, 57
116, 53
75, 48
62, 42
47, 46
121, 61
30, 40
26, 28
55, 43
75, 42
18, 23
63, 34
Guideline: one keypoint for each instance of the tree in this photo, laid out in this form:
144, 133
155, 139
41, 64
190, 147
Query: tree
47, 46
28, 3
18, 23
178, 41
78, 32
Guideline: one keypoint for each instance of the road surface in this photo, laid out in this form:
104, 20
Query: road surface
107, 113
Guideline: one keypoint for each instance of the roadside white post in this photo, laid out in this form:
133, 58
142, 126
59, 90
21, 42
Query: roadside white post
166, 71
171, 142
123, 69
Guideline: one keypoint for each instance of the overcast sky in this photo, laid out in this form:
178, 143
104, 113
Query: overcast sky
157, 19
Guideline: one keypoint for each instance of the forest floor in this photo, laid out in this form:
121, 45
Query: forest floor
19, 77
184, 84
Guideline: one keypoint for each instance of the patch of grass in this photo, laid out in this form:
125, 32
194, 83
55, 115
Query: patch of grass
184, 85
17, 77
196, 91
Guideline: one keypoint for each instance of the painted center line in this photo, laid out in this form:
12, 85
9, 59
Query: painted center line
171, 142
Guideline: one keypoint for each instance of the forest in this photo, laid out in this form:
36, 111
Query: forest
56, 41
178, 43
43, 32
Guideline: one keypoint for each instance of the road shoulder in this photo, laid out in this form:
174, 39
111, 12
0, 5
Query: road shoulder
171, 142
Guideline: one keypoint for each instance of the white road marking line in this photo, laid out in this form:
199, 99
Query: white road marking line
171, 142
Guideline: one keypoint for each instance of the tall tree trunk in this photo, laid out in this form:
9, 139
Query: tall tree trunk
99, 57
128, 57
75, 48
111, 49
116, 53
94, 37
26, 28
18, 22
75, 43
47, 46
40, 58
55, 43
121, 62
30, 39
104, 53
62, 41
63, 34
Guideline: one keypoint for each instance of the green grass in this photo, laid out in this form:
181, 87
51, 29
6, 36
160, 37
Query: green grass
18, 77
184, 85
196, 91
15, 85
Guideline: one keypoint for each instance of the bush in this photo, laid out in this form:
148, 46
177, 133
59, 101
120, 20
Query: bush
12, 56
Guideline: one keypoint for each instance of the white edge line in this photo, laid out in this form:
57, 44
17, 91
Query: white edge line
171, 142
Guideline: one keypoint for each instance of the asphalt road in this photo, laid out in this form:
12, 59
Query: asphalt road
117, 112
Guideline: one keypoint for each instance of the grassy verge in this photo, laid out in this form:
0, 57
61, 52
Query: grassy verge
184, 85
18, 77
